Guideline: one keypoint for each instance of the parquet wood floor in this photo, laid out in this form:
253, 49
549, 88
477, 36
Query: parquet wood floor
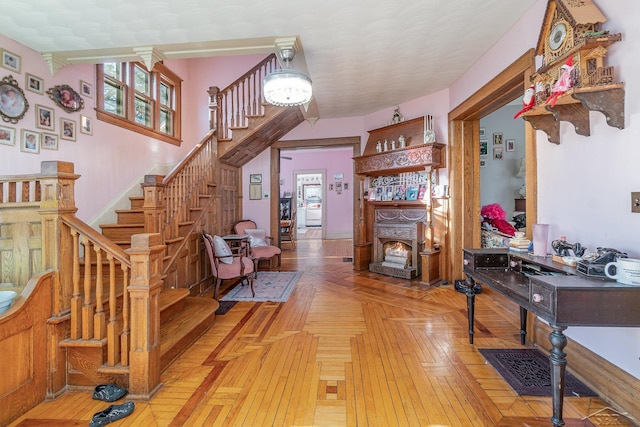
349, 348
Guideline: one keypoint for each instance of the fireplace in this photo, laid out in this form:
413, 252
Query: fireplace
398, 239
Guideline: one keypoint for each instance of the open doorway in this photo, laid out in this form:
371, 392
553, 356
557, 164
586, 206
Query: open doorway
310, 196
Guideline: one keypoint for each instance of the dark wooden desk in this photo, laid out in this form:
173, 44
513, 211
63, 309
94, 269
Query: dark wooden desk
554, 293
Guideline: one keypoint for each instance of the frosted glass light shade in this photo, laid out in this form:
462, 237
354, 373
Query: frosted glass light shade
287, 87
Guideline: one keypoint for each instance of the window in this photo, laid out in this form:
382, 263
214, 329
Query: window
147, 102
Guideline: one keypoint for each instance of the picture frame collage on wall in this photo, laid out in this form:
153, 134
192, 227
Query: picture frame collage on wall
389, 193
14, 106
500, 146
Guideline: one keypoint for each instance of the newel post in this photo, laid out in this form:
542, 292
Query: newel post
57, 198
144, 291
153, 207
214, 106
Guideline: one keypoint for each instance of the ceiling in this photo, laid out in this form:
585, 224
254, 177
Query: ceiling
362, 55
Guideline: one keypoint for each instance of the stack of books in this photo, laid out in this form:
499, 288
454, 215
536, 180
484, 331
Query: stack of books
519, 243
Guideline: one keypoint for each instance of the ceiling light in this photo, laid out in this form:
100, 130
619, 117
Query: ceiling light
286, 87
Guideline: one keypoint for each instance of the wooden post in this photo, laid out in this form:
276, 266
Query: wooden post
153, 206
144, 290
57, 186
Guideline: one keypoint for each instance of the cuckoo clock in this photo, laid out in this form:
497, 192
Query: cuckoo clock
573, 78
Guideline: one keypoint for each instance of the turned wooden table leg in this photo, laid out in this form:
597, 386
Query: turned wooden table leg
471, 297
523, 325
558, 359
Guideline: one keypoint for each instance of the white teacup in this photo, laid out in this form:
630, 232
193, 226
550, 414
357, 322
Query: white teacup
627, 271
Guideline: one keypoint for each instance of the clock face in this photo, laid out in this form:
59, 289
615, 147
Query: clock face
557, 36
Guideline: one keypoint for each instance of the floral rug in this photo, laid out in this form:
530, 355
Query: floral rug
275, 286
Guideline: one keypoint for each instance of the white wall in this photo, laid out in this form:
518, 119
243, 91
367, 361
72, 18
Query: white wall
584, 183
498, 183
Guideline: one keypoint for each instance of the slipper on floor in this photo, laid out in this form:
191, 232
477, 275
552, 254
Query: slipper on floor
109, 392
111, 414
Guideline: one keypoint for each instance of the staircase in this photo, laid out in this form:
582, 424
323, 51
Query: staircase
126, 302
245, 131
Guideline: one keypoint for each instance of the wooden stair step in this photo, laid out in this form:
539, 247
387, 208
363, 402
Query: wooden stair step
130, 216
170, 302
137, 202
196, 318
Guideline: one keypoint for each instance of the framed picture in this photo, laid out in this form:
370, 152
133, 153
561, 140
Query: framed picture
34, 84
86, 125
255, 191
483, 133
45, 118
67, 129
30, 141
13, 103
497, 139
255, 178
7, 135
497, 153
66, 98
49, 141
346, 186
10, 61
483, 163
330, 187
484, 147
86, 89
511, 144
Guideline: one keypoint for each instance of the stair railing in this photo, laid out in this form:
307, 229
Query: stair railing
91, 254
232, 106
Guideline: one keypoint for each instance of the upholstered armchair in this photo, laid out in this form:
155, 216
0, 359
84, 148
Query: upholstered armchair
260, 247
225, 264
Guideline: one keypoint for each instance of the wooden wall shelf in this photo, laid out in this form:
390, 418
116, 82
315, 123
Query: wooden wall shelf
410, 159
574, 107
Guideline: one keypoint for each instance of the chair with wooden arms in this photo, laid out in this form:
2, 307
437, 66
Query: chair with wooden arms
225, 264
260, 247
287, 230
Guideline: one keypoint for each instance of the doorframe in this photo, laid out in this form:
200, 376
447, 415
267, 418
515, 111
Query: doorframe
464, 159
347, 141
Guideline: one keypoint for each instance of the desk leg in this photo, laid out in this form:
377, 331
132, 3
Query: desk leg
523, 325
558, 359
471, 298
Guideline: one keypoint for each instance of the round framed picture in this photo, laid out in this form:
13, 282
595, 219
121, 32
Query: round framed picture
66, 98
13, 103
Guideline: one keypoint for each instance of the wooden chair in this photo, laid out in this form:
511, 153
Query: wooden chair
287, 230
227, 265
260, 247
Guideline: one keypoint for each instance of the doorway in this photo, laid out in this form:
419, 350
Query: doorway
309, 202
464, 156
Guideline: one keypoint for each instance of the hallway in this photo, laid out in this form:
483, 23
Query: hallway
349, 348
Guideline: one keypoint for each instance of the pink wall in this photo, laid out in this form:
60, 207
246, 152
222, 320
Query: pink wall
339, 207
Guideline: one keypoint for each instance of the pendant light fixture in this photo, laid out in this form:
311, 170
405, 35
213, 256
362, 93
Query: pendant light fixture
286, 87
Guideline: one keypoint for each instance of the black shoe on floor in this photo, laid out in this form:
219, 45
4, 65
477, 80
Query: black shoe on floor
109, 392
111, 414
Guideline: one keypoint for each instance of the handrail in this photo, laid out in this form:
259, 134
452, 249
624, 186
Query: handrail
89, 321
241, 99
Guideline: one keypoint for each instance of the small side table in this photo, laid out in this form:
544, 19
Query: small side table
237, 242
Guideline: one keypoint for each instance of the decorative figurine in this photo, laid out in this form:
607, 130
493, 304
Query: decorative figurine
386, 145
403, 142
397, 117
564, 82
429, 134
528, 100
393, 144
379, 147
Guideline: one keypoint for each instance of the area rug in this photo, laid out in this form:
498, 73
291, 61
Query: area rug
273, 286
528, 372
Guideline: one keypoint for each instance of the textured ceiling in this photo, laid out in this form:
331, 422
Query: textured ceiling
362, 55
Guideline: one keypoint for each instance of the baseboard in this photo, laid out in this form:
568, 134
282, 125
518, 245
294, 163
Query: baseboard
336, 236
121, 201
617, 387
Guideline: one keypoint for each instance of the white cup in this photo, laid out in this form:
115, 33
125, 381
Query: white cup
627, 271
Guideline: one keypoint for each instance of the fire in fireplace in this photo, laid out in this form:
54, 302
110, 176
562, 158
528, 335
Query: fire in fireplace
397, 255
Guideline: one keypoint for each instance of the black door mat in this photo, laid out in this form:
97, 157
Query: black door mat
224, 307
528, 372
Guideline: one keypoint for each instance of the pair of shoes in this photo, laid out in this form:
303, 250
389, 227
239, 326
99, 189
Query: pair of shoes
111, 414
109, 392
